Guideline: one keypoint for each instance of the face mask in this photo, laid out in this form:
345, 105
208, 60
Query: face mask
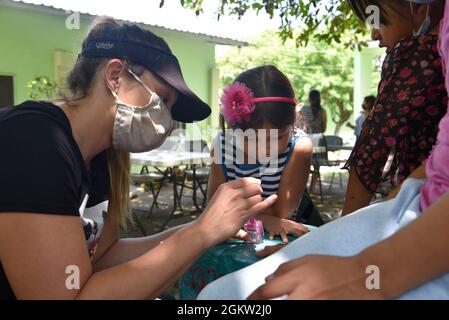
425, 26
139, 129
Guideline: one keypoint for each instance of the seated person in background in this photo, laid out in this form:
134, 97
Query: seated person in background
313, 117
262, 100
411, 100
367, 106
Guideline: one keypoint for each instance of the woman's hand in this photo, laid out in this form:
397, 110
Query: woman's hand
283, 227
232, 205
319, 277
269, 250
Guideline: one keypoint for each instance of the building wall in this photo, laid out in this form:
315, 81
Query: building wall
29, 39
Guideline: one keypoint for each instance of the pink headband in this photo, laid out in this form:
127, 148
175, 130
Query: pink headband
238, 102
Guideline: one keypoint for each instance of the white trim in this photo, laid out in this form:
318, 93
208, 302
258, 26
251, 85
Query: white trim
18, 4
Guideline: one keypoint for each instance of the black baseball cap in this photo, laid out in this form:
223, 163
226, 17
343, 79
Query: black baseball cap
188, 107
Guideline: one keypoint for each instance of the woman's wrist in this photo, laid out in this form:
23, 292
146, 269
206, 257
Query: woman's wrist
204, 233
390, 271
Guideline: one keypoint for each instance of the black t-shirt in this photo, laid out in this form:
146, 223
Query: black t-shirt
42, 171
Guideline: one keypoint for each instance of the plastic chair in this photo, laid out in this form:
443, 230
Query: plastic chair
338, 142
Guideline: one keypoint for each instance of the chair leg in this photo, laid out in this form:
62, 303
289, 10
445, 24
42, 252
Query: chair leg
313, 182
196, 185
183, 183
321, 187
139, 224
204, 192
332, 181
154, 195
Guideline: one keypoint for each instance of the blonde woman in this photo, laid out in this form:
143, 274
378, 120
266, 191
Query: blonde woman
61, 160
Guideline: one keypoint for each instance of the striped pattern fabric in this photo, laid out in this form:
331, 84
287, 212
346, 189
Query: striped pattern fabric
270, 173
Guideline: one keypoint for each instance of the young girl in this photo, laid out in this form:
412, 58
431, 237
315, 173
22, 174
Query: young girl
260, 100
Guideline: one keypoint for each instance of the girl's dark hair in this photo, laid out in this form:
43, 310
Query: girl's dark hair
81, 77
315, 102
359, 8
268, 81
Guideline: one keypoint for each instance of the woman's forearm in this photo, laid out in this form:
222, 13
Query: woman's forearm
416, 254
148, 275
125, 250
419, 173
357, 196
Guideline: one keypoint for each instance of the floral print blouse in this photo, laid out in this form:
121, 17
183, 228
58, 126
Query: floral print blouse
411, 101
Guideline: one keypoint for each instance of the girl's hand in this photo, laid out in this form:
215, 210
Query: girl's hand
319, 277
232, 205
283, 227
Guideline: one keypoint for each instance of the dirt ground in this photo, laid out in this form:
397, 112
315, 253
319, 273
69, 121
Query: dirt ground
330, 207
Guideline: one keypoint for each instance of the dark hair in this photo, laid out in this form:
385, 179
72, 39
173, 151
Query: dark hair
370, 100
359, 8
82, 75
268, 81
315, 102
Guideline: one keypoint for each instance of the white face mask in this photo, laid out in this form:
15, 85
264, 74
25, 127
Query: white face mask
140, 129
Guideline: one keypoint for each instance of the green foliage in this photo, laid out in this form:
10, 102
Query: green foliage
328, 68
318, 20
42, 87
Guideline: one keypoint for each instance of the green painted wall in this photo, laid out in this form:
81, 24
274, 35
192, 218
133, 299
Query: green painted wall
28, 39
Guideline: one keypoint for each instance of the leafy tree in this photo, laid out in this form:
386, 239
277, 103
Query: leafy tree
328, 68
42, 87
322, 20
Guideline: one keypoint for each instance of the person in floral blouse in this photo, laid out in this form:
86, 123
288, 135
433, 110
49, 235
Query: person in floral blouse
411, 100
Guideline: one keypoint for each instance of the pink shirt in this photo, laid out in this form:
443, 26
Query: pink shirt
437, 165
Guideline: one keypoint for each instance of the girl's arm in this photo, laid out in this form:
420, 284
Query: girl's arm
291, 188
294, 179
357, 196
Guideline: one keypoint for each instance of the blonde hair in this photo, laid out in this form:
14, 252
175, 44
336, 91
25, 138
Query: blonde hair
119, 165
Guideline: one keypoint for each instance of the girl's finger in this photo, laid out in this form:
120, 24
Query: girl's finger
298, 232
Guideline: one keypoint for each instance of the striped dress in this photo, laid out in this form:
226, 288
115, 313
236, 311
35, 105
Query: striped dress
269, 173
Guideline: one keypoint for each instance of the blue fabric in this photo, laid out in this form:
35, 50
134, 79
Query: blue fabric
344, 237
220, 260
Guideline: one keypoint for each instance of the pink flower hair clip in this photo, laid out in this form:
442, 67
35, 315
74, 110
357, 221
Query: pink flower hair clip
238, 103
